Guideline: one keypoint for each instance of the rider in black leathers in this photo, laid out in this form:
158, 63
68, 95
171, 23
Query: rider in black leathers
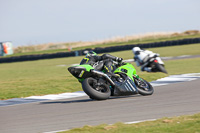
104, 62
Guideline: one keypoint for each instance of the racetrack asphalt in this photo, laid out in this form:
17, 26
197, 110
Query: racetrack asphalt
176, 99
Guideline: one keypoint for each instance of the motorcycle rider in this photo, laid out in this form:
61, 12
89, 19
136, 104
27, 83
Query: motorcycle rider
104, 62
142, 57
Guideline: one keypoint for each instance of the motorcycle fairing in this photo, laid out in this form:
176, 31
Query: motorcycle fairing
159, 60
127, 87
81, 71
128, 69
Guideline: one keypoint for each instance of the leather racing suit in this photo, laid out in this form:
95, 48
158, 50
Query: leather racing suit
104, 62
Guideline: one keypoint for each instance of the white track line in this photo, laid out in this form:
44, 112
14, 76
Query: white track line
132, 122
59, 96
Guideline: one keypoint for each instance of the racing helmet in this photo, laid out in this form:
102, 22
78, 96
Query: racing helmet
136, 50
91, 53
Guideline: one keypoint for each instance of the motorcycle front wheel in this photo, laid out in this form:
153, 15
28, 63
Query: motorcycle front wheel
94, 90
144, 87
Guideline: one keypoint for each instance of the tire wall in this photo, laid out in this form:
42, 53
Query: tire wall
99, 50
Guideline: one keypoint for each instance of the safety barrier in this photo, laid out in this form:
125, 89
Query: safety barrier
98, 50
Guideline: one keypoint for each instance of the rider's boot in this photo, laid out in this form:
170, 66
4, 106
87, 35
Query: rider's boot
115, 77
148, 69
112, 75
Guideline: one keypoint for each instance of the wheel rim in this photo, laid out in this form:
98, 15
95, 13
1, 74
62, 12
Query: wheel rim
100, 88
142, 84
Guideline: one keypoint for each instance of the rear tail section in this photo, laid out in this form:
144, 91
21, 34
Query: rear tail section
81, 71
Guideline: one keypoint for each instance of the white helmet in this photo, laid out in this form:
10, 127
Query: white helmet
136, 49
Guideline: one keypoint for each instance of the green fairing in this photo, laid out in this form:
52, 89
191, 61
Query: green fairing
87, 67
130, 70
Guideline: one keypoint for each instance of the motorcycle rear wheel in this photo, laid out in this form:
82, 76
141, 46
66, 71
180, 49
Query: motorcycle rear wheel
144, 87
161, 68
95, 91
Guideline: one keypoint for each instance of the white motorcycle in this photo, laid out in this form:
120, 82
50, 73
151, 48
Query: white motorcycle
151, 62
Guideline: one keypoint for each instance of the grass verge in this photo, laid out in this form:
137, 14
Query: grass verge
23, 79
181, 124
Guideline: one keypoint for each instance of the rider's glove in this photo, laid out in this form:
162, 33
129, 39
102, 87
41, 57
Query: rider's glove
119, 59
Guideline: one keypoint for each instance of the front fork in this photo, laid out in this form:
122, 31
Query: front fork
138, 81
136, 76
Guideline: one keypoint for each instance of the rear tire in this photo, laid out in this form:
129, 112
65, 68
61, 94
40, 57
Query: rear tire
94, 91
161, 68
144, 87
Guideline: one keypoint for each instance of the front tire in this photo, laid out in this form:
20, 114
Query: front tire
144, 87
95, 91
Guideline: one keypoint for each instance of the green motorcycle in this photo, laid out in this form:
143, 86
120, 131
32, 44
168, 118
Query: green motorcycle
99, 86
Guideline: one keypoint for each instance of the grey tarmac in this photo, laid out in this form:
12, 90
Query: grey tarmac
167, 101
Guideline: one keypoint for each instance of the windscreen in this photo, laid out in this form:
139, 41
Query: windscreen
87, 60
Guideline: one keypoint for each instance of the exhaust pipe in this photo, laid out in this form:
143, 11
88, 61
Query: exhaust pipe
103, 75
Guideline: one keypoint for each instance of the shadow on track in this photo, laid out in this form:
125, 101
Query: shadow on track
71, 101
86, 100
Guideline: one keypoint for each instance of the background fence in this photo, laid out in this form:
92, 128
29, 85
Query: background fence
98, 50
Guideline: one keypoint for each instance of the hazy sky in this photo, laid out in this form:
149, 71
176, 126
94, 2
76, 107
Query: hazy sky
27, 22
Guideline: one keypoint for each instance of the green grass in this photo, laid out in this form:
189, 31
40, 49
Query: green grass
138, 41
22, 79
192, 49
181, 124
